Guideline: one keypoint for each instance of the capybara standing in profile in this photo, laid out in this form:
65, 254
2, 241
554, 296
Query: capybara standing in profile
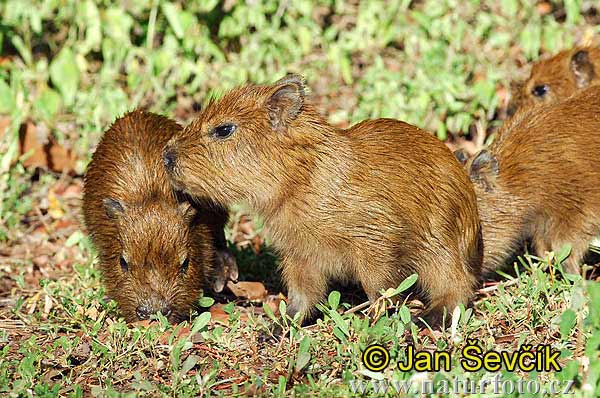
155, 251
540, 181
557, 78
373, 203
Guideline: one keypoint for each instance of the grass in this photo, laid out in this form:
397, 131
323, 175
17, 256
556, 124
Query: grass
67, 69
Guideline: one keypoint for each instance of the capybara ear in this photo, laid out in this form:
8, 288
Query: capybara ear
582, 68
286, 101
113, 208
461, 155
484, 169
187, 211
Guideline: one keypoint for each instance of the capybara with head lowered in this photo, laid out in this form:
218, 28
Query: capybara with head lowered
373, 203
155, 251
539, 181
557, 78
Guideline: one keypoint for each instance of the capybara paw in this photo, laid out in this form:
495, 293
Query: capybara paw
226, 269
229, 264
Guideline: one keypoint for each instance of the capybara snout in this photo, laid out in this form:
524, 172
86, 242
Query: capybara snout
151, 306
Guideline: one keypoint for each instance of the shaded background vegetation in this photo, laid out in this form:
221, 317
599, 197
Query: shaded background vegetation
68, 68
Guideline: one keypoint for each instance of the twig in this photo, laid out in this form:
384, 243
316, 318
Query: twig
495, 287
357, 308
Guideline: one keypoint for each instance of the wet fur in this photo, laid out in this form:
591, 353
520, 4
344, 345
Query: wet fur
565, 73
547, 186
154, 232
374, 203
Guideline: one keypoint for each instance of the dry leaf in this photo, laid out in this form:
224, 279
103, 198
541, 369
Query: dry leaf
544, 8
92, 313
45, 151
273, 301
82, 352
55, 209
4, 124
218, 315
254, 291
47, 304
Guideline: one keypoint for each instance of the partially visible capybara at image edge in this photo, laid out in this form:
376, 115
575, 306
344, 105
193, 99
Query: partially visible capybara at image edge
557, 78
539, 181
155, 252
373, 203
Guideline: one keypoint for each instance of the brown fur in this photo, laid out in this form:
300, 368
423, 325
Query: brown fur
564, 74
373, 203
539, 181
131, 211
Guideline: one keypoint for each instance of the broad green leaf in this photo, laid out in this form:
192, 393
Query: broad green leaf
563, 253
172, 13
207, 5
404, 314
282, 308
206, 301
189, 363
200, 322
7, 99
117, 24
74, 239
269, 311
404, 285
89, 16
339, 322
48, 103
334, 299
64, 74
573, 9
303, 357
567, 321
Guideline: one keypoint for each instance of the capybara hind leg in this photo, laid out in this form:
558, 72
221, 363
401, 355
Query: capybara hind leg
306, 285
540, 245
444, 295
572, 264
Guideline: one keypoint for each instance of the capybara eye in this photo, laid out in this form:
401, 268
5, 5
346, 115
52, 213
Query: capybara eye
124, 265
223, 131
185, 264
540, 90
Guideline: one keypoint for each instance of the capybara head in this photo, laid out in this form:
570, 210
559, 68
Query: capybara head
158, 267
556, 78
154, 254
235, 142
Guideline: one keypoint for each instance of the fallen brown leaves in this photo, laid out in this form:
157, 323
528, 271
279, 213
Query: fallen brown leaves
44, 149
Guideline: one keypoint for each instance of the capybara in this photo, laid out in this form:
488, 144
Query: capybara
155, 251
373, 203
557, 78
539, 181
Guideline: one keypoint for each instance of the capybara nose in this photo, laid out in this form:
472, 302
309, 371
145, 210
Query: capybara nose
144, 311
166, 311
169, 158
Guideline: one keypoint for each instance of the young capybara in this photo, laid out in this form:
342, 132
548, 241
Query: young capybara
155, 252
539, 181
557, 78
373, 203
